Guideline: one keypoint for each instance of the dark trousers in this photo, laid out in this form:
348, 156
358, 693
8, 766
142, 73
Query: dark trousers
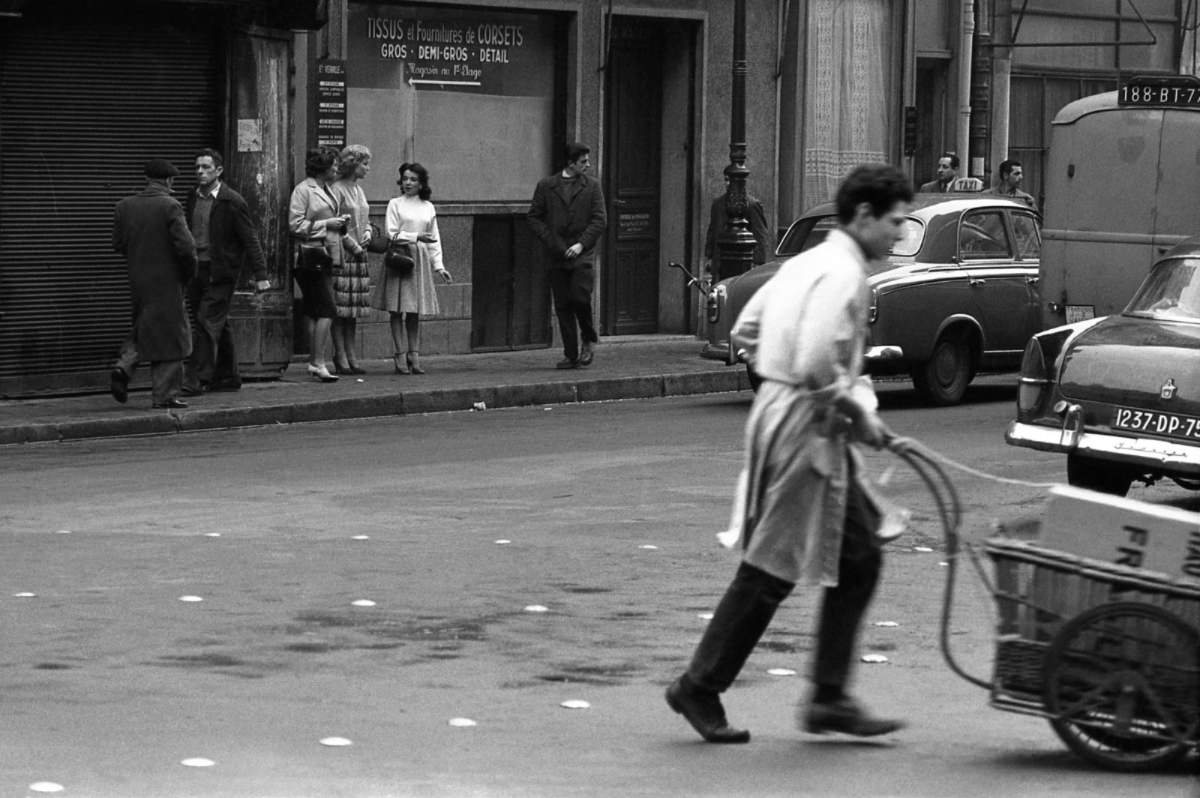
214, 357
749, 603
166, 376
572, 292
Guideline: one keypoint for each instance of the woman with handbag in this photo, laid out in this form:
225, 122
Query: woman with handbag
406, 290
316, 224
352, 284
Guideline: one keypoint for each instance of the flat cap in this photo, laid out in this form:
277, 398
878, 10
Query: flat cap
160, 169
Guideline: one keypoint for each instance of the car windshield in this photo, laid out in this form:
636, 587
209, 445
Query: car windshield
1172, 291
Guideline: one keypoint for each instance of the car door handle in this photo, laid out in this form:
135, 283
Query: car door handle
976, 281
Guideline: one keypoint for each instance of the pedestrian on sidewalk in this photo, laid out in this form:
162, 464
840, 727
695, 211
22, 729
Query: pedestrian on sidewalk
316, 222
411, 219
225, 238
567, 215
801, 514
718, 220
351, 285
151, 233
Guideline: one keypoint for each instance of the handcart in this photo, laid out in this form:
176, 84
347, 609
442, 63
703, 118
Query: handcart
1109, 653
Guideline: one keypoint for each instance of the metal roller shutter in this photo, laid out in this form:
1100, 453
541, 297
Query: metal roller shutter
83, 104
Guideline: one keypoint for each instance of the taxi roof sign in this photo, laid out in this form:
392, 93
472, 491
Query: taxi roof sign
1156, 91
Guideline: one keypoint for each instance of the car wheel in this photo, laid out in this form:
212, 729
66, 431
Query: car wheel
943, 379
755, 380
1099, 475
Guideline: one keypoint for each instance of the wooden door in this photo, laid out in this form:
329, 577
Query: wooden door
632, 177
510, 300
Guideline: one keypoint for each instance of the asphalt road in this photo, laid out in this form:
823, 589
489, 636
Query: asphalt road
458, 527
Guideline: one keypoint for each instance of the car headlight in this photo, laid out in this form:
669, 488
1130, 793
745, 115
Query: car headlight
715, 303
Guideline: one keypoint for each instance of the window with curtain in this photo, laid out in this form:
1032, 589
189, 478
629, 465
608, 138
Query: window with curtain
849, 92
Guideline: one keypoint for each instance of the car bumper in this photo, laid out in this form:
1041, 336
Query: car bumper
883, 354
1176, 457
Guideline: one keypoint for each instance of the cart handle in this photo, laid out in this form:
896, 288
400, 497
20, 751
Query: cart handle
922, 461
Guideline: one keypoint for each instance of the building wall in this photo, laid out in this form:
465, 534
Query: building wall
693, 144
90, 93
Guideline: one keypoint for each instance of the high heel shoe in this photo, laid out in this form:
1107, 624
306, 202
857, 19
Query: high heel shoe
321, 373
414, 364
401, 368
354, 368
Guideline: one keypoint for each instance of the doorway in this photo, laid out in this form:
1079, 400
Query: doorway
632, 167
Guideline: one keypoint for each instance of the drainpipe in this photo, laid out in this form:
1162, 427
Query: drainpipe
966, 35
1001, 81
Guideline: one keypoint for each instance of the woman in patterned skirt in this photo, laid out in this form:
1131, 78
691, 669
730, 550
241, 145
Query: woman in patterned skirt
352, 284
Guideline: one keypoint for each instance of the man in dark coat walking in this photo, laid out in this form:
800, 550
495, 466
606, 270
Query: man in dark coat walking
567, 215
150, 231
225, 237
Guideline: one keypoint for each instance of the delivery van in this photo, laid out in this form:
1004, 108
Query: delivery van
1122, 187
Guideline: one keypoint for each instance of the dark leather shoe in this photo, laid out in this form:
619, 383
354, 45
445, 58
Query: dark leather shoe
704, 711
118, 385
189, 390
566, 363
847, 716
171, 404
586, 355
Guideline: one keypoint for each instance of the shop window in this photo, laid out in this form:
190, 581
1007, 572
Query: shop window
469, 93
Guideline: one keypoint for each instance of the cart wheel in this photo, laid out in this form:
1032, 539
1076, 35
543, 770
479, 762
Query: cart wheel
1122, 685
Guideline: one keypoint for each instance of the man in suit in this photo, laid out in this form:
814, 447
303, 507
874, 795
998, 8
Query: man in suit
947, 171
150, 232
220, 222
567, 215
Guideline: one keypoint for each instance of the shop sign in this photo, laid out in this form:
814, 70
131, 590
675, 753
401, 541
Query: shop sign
331, 103
472, 50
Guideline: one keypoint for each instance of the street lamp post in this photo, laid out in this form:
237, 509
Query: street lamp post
735, 244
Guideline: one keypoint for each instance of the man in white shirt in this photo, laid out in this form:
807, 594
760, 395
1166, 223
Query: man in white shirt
801, 514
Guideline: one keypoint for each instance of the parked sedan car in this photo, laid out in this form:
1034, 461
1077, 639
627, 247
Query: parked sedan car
1120, 395
957, 295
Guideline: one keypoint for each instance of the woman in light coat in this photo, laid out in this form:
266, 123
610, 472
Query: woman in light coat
314, 221
352, 284
411, 218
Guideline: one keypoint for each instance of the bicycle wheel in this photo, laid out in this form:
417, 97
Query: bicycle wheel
1123, 685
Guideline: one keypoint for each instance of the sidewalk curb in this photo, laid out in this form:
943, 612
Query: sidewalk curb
395, 404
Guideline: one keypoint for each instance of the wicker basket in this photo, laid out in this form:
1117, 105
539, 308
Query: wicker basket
1037, 590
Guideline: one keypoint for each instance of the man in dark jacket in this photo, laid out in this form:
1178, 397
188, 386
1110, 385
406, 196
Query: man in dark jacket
225, 236
567, 215
764, 242
150, 232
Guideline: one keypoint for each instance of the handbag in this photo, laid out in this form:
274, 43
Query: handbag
379, 242
399, 259
313, 257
